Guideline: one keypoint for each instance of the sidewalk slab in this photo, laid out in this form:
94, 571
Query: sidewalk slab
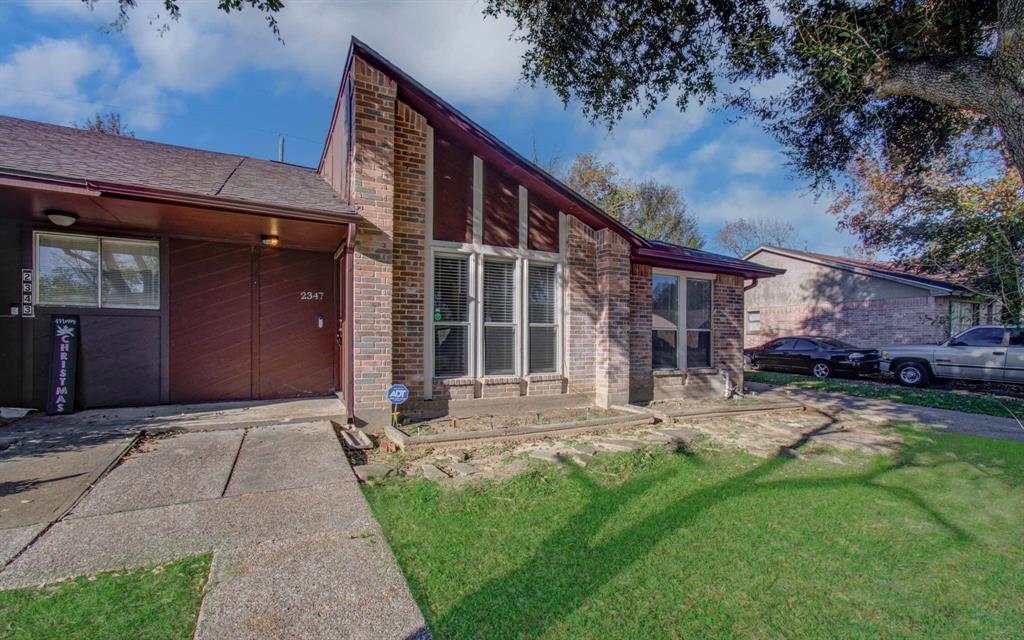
184, 468
331, 585
288, 457
78, 546
14, 540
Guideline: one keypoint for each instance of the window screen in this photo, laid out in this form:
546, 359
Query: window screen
451, 316
665, 322
542, 317
499, 294
698, 323
89, 271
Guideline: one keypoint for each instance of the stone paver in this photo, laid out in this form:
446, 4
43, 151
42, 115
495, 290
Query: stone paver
582, 459
374, 471
620, 445
331, 586
545, 455
463, 469
267, 459
14, 540
182, 468
587, 449
431, 472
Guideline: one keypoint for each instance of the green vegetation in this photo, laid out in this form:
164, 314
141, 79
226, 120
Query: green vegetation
149, 603
723, 544
989, 405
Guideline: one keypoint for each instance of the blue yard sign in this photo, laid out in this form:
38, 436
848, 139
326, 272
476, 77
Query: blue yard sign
398, 393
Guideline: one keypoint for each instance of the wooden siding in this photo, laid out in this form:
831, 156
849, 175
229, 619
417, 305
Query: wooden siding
453, 192
501, 209
542, 225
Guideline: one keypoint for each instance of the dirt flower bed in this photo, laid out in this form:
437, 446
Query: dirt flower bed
451, 424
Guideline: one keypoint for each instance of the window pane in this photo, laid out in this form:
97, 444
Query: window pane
542, 293
499, 291
451, 288
698, 349
68, 269
449, 351
499, 351
131, 274
698, 304
663, 350
987, 337
665, 301
542, 349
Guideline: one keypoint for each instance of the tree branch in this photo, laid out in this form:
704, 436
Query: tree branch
961, 84
1009, 54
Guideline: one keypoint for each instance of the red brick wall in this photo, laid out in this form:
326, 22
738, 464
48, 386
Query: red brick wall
868, 323
583, 312
640, 380
612, 353
373, 194
727, 326
409, 257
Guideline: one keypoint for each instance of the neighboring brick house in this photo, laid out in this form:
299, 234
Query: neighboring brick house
421, 251
866, 303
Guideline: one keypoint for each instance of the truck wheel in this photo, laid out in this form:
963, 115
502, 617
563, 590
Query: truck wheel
821, 369
912, 374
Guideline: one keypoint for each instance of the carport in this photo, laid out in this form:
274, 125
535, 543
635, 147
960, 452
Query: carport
195, 276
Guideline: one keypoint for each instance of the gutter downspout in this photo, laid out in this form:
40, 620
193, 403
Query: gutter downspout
750, 286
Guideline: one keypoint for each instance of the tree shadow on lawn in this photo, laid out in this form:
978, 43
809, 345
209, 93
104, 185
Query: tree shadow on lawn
566, 570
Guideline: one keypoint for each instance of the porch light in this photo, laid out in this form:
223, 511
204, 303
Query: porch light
269, 241
61, 218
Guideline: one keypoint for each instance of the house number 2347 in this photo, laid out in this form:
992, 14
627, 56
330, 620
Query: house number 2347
311, 295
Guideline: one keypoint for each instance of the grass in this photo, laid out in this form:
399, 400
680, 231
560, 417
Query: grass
989, 405
722, 545
146, 604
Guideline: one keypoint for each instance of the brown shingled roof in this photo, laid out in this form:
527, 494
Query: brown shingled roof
35, 147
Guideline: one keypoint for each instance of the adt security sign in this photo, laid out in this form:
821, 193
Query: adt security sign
398, 393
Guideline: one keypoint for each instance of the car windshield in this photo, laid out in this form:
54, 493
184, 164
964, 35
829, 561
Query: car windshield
837, 344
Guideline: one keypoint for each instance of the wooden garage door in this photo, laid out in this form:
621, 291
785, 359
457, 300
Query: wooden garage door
250, 322
211, 295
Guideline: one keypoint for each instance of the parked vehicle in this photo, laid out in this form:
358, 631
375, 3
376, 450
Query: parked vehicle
821, 357
990, 353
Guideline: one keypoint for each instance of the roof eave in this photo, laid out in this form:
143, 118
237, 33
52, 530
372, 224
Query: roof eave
668, 260
96, 188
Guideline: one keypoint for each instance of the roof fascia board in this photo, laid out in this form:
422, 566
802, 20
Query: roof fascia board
337, 105
854, 269
666, 260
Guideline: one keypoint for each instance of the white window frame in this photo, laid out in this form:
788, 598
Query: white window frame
477, 253
514, 323
682, 277
36, 235
470, 313
557, 324
754, 317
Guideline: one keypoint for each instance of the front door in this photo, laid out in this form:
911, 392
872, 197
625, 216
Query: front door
297, 323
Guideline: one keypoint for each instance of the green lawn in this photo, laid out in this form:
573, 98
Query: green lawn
722, 544
969, 402
155, 602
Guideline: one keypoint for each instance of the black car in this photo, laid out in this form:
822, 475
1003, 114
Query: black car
821, 357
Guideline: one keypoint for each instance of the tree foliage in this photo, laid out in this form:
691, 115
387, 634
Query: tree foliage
656, 211
961, 218
901, 77
742, 236
173, 8
109, 122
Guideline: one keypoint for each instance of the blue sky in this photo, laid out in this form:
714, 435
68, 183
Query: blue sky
225, 83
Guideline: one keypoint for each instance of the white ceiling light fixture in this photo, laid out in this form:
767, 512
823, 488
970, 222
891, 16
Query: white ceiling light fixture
61, 218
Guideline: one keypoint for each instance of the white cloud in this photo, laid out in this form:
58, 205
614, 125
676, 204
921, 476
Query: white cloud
755, 161
48, 78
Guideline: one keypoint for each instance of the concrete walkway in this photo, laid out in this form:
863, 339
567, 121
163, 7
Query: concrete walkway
884, 411
296, 551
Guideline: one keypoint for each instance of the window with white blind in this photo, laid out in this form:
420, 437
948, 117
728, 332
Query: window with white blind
680, 322
92, 271
542, 316
451, 316
499, 312
753, 321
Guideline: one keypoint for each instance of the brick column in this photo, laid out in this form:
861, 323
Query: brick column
373, 194
582, 308
409, 248
727, 327
641, 382
613, 334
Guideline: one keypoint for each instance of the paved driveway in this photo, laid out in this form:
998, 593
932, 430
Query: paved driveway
296, 551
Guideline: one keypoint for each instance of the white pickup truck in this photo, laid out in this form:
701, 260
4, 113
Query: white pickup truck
990, 353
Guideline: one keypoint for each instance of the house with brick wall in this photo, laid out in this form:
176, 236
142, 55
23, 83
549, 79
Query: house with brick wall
866, 303
422, 251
